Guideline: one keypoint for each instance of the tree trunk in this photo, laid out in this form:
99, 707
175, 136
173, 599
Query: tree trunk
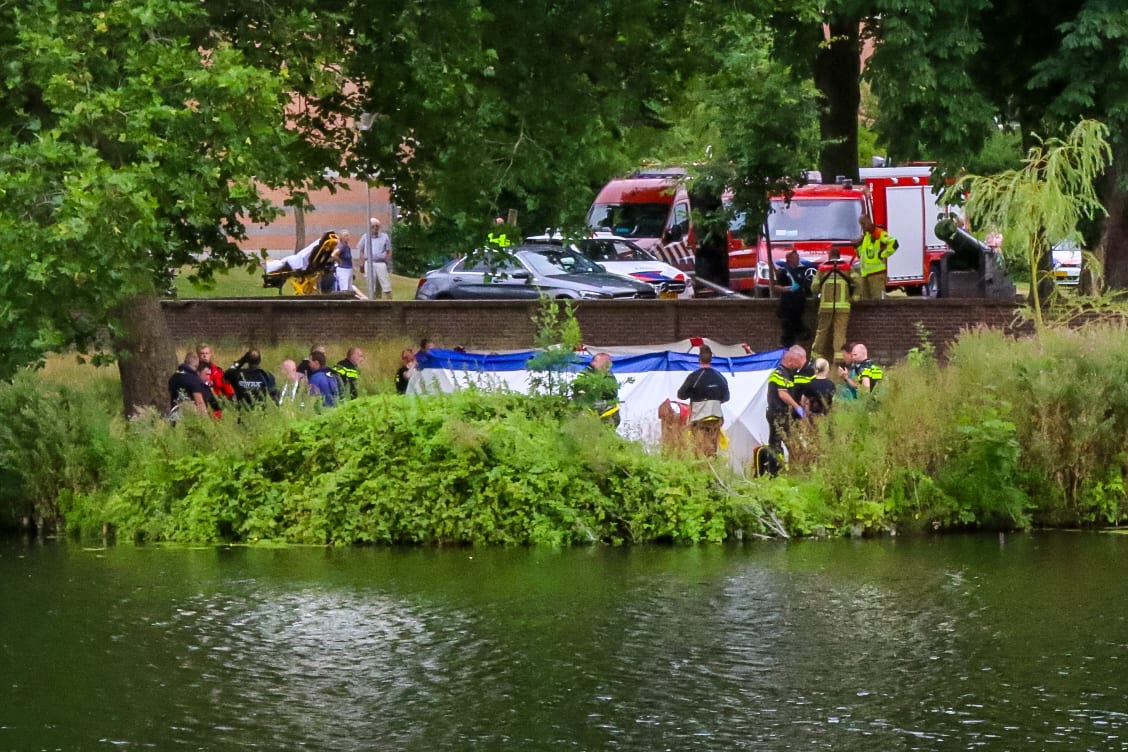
145, 355
299, 228
837, 73
1113, 250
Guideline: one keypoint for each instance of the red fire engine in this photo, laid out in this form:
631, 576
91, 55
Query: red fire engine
817, 217
652, 209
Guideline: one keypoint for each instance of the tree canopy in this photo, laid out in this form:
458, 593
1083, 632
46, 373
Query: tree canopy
140, 133
137, 139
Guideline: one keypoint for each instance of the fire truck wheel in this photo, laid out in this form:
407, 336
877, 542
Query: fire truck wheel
933, 284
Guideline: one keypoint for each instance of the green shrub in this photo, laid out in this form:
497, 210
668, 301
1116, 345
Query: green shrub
1007, 433
55, 443
461, 468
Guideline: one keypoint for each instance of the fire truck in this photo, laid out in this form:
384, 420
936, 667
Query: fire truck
818, 217
651, 208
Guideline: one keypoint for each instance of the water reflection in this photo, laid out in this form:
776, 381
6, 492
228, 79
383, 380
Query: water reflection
927, 644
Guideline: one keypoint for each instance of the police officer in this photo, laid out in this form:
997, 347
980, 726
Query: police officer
253, 385
348, 369
876, 247
782, 405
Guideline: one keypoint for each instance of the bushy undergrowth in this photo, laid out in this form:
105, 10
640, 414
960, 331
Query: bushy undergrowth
56, 442
1007, 433
462, 468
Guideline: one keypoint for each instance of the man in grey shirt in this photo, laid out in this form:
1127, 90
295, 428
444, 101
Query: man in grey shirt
375, 251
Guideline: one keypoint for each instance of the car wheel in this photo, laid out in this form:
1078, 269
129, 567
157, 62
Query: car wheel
444, 296
933, 284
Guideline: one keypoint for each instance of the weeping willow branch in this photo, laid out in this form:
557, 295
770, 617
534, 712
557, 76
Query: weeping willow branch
1041, 203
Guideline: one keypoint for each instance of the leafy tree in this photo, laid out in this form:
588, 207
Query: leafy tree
948, 79
136, 140
478, 107
1043, 202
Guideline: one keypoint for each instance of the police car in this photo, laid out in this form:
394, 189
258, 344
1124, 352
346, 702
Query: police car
627, 259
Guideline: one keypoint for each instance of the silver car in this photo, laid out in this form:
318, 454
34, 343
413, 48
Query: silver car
528, 272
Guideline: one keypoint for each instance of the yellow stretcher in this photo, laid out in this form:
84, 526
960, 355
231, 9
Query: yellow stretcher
306, 281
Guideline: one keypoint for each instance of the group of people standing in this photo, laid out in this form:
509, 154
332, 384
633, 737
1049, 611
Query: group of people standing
798, 389
801, 389
836, 284
200, 384
375, 246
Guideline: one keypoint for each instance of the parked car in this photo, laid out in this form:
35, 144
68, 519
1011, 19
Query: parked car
529, 272
1066, 268
628, 259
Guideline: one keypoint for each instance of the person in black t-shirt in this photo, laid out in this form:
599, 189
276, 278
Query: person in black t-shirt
252, 383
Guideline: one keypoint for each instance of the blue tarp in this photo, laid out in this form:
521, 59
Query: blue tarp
664, 360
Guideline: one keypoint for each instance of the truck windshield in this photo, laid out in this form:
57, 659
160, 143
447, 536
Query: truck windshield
815, 219
630, 220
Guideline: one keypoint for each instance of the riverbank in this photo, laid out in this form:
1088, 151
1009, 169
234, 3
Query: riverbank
1005, 434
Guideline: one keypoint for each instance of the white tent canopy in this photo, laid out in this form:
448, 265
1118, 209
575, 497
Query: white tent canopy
647, 377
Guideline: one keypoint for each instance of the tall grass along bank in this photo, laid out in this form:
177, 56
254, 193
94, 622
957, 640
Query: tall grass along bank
1005, 434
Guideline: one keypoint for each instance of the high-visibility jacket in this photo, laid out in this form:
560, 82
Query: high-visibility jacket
499, 240
833, 286
868, 369
349, 375
876, 246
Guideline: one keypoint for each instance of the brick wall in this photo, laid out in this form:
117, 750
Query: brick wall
889, 328
346, 209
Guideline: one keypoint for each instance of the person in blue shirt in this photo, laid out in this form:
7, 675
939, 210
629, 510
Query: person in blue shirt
323, 381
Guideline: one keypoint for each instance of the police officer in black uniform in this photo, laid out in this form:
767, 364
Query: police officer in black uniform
253, 384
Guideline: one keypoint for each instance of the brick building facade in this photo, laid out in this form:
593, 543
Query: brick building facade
347, 209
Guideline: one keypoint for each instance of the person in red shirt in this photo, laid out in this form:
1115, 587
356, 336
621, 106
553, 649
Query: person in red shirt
219, 386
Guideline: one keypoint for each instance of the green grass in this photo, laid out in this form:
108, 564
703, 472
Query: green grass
242, 283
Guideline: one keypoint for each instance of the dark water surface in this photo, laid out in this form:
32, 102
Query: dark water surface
934, 644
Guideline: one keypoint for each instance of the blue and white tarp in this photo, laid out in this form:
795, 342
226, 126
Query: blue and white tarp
647, 377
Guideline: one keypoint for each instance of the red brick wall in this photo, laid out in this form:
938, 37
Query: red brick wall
347, 209
889, 328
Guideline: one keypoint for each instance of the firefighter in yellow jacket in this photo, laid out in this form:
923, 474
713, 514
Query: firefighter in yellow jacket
877, 245
834, 285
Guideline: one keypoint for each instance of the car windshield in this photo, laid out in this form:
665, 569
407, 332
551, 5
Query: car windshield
488, 263
601, 249
553, 262
630, 220
815, 219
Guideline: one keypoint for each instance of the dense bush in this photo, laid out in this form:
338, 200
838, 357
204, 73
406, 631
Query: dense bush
1007, 433
468, 467
56, 443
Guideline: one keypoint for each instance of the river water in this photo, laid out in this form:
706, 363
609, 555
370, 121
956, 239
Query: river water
979, 642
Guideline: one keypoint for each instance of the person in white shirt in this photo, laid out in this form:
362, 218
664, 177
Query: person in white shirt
376, 248
293, 386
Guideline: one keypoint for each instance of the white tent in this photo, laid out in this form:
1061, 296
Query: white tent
647, 377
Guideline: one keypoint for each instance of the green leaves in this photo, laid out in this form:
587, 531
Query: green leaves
464, 468
138, 137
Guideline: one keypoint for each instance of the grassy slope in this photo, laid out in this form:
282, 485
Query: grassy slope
240, 283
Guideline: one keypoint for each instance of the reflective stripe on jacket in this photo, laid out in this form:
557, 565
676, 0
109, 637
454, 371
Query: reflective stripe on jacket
833, 287
873, 251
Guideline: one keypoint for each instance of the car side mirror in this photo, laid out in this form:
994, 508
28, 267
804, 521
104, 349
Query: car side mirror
520, 274
674, 233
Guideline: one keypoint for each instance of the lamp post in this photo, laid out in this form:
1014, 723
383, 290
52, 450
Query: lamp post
369, 266
364, 125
